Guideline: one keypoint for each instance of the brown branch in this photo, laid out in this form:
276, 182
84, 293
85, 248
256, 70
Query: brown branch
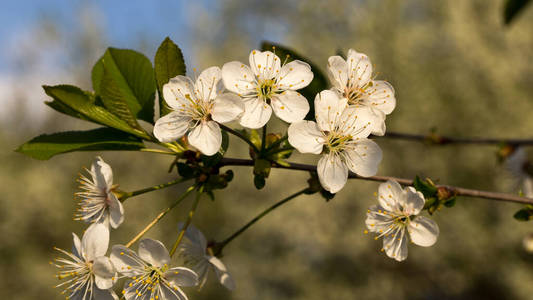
436, 139
459, 191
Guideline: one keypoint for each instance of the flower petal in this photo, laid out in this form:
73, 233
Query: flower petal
171, 127
169, 293
378, 125
154, 252
328, 109
380, 96
377, 220
104, 272
363, 157
306, 137
95, 241
116, 211
256, 113
356, 122
227, 107
238, 78
338, 72
332, 172
105, 294
207, 82
76, 246
395, 244
265, 65
206, 137
423, 231
179, 92
126, 261
195, 236
295, 75
359, 68
412, 201
181, 276
389, 194
102, 174
223, 275
290, 106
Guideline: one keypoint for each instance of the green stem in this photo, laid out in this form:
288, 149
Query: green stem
276, 143
257, 218
263, 138
239, 135
125, 196
157, 151
160, 216
188, 222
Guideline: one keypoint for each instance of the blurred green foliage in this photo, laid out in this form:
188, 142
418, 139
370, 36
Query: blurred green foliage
454, 67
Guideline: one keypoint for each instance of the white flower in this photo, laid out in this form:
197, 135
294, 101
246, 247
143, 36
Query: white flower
397, 212
340, 134
150, 273
517, 163
196, 254
265, 85
98, 203
352, 78
88, 273
197, 108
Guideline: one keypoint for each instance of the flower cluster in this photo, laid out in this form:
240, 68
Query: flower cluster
87, 273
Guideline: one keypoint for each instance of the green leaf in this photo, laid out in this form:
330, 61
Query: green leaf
63, 108
97, 74
425, 187
113, 100
512, 9
319, 82
47, 145
169, 63
133, 79
74, 101
450, 202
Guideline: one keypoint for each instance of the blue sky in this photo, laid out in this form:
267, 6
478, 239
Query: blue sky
124, 21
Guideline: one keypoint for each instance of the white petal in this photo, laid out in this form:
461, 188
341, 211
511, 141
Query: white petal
223, 275
290, 106
412, 201
207, 82
104, 272
182, 277
206, 137
265, 65
102, 174
359, 68
256, 113
395, 245
99, 294
227, 107
169, 293
380, 96
363, 157
338, 72
238, 78
328, 109
76, 246
126, 261
295, 75
306, 137
95, 241
389, 194
377, 220
378, 126
423, 231
171, 127
154, 252
179, 92
332, 172
116, 211
356, 121
195, 236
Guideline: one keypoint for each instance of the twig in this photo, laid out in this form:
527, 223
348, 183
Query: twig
437, 139
459, 191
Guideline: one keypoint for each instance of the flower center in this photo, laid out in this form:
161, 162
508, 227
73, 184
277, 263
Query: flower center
199, 109
266, 88
354, 93
336, 142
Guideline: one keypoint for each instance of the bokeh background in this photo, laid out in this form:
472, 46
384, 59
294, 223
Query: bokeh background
455, 67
